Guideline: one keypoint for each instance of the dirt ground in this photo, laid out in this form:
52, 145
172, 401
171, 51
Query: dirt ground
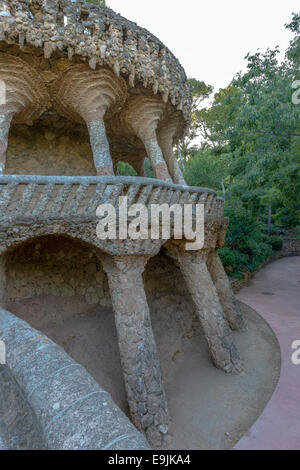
209, 409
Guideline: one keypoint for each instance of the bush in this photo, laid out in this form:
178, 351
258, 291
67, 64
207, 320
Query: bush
149, 172
233, 259
276, 243
245, 247
124, 169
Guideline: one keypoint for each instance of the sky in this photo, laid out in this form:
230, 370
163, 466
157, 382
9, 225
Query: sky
211, 38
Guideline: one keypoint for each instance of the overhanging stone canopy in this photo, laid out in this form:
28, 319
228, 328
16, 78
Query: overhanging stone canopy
108, 73
67, 64
101, 36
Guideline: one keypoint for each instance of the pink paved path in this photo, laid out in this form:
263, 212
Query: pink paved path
278, 428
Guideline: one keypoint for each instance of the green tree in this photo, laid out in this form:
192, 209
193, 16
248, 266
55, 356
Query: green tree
250, 149
256, 125
200, 92
293, 52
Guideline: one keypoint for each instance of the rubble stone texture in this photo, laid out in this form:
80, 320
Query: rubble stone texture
211, 315
86, 89
48, 401
140, 361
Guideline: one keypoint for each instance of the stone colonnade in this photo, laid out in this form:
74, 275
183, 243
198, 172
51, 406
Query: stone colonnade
217, 311
91, 97
81, 93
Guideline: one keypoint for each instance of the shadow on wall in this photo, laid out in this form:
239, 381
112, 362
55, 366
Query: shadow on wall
58, 286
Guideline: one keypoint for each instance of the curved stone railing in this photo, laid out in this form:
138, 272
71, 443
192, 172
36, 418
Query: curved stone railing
60, 196
64, 407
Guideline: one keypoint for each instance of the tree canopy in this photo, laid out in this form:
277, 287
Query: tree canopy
244, 142
250, 148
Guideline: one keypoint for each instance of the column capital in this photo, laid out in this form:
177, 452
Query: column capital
176, 249
124, 264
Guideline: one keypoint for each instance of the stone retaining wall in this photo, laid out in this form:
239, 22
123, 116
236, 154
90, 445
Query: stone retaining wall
291, 247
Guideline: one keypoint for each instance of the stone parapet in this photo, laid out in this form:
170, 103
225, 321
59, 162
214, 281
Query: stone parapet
65, 407
33, 206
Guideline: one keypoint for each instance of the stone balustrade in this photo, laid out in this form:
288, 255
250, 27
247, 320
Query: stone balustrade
32, 206
47, 197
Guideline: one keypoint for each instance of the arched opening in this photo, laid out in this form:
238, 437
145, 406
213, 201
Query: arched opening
174, 320
57, 284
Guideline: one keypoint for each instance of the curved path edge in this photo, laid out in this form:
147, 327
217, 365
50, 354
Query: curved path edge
275, 294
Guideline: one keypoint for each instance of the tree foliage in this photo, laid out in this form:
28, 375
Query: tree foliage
200, 92
250, 147
246, 145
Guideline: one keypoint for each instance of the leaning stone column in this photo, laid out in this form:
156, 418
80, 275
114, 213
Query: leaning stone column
225, 293
222, 283
215, 326
142, 115
139, 357
85, 94
5, 121
166, 135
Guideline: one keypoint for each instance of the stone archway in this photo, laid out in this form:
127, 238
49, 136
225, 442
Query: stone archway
57, 285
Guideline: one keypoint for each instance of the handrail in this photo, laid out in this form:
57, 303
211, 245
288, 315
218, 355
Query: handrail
94, 180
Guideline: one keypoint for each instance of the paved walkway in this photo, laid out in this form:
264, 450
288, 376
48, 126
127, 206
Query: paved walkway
275, 294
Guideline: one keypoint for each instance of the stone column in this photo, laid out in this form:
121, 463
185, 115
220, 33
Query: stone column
157, 159
94, 117
92, 95
139, 357
5, 120
142, 115
100, 146
214, 323
225, 293
166, 137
